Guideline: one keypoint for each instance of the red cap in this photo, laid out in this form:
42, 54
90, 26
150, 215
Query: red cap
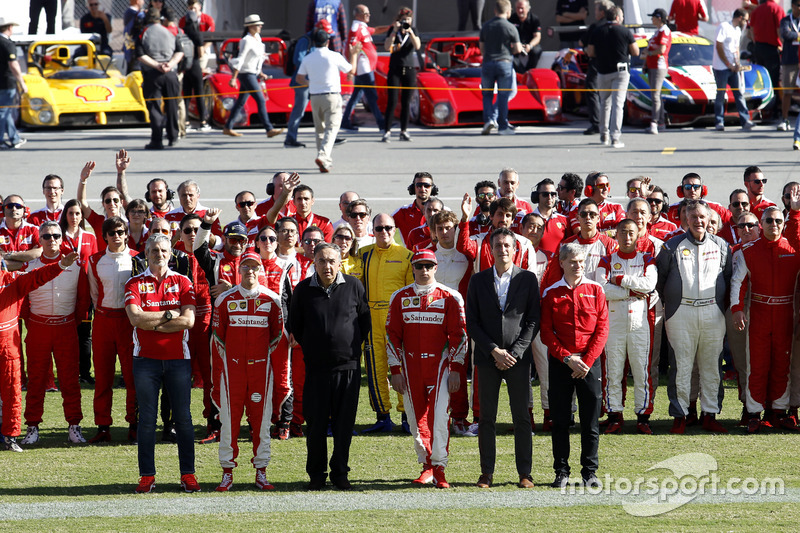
324, 24
424, 256
252, 256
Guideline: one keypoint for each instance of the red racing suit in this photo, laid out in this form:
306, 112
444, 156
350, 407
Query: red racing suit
13, 288
426, 339
478, 248
661, 228
611, 214
52, 330
628, 281
407, 218
556, 229
247, 327
769, 269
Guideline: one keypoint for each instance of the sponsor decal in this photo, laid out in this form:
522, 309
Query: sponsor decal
226, 268
249, 321
617, 266
145, 288
242, 305
94, 93
231, 306
5, 239
436, 304
583, 295
415, 301
255, 397
173, 288
423, 318
264, 308
686, 252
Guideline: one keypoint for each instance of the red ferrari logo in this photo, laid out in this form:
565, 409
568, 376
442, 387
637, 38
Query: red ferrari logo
94, 93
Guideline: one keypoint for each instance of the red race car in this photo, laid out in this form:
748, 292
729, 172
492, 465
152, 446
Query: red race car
449, 81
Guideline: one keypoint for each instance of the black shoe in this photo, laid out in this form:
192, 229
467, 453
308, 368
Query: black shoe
152, 146
292, 143
339, 140
316, 484
169, 435
87, 379
561, 481
591, 482
173, 142
591, 130
342, 484
10, 444
404, 425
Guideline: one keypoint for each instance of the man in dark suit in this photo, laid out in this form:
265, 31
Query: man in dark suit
502, 319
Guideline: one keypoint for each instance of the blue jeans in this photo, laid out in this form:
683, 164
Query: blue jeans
248, 86
7, 99
371, 95
725, 78
499, 72
301, 98
176, 374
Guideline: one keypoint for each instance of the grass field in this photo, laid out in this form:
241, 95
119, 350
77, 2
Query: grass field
57, 486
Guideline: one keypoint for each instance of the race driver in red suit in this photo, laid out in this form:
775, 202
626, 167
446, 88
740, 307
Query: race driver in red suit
426, 340
248, 323
769, 267
13, 288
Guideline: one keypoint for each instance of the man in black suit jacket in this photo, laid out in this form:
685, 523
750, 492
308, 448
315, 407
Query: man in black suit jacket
502, 318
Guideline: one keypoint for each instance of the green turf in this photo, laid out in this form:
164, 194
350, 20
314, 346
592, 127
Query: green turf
54, 471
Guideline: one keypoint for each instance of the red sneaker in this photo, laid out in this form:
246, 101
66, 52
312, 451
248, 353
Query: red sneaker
710, 424
261, 480
678, 426
146, 484
615, 424
426, 476
644, 428
438, 477
212, 437
753, 425
189, 483
103, 435
788, 422
283, 433
227, 480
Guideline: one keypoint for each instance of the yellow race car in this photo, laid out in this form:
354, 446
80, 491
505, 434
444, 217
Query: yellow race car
70, 84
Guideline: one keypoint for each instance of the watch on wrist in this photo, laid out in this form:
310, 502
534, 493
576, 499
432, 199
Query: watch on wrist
566, 359
168, 315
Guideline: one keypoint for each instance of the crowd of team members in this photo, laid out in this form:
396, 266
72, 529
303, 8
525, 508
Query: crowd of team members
684, 275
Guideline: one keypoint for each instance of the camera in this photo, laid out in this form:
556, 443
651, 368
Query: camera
405, 25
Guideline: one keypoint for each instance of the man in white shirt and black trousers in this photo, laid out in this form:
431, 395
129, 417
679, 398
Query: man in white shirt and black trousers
325, 88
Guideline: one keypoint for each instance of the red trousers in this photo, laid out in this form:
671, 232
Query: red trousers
10, 384
200, 348
49, 339
282, 382
769, 356
112, 336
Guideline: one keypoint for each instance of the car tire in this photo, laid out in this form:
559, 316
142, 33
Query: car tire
209, 96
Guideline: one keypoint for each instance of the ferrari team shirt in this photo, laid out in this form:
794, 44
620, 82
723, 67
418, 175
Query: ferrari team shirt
368, 57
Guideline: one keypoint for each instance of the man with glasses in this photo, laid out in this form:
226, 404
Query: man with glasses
569, 193
303, 200
99, 22
245, 205
754, 182
279, 190
387, 268
692, 188
556, 226
768, 267
52, 190
358, 214
158, 192
659, 226
112, 332
189, 196
52, 332
422, 236
427, 343
694, 271
19, 240
412, 215
598, 188
344, 201
485, 194
739, 205
478, 247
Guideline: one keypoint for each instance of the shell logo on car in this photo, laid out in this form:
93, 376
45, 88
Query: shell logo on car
94, 93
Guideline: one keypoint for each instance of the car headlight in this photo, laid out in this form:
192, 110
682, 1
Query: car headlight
37, 103
45, 116
442, 111
227, 103
552, 106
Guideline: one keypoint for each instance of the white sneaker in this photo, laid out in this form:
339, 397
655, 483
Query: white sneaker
749, 125
507, 131
20, 144
75, 435
387, 137
604, 140
783, 126
487, 128
205, 127
472, 431
653, 129
617, 144
32, 436
720, 127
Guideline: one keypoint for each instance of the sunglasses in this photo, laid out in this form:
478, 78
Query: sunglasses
746, 225
117, 232
423, 185
777, 221
654, 201
551, 194
114, 200
48, 236
189, 230
381, 229
634, 189
246, 204
12, 205
140, 212
424, 266
758, 182
360, 214
270, 238
690, 186
309, 242
603, 186
740, 204
162, 231
484, 195
589, 214
340, 237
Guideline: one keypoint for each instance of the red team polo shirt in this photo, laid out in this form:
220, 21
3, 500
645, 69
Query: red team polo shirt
172, 293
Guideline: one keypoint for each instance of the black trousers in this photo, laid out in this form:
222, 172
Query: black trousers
404, 77
193, 85
330, 395
769, 57
518, 381
588, 390
592, 98
155, 87
85, 349
50, 9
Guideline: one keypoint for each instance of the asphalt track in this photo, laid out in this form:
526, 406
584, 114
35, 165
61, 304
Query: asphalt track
457, 158
422, 499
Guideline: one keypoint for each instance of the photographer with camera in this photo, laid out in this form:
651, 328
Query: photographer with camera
401, 42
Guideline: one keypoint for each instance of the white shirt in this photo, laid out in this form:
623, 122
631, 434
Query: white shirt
251, 55
452, 265
730, 38
501, 284
325, 65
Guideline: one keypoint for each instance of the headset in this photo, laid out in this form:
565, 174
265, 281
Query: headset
588, 190
703, 192
270, 188
170, 192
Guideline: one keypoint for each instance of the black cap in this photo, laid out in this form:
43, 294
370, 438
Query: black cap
320, 38
660, 13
